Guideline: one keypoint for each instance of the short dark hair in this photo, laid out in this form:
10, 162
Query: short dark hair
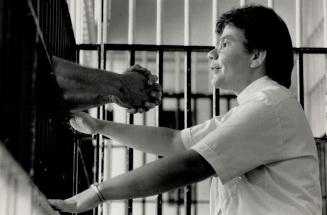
264, 30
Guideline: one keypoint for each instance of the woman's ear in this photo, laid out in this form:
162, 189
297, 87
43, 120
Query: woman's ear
258, 58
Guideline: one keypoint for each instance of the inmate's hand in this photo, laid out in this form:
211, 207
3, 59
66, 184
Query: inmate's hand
81, 202
84, 87
84, 123
139, 92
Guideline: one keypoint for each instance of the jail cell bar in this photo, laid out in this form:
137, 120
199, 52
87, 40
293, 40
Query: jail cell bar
33, 132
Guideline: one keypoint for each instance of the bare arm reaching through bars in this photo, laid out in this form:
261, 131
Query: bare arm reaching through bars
180, 167
85, 87
153, 178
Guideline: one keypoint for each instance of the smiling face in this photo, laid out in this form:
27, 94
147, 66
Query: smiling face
230, 61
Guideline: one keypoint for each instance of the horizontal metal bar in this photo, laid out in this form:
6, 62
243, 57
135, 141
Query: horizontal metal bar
310, 50
196, 95
170, 202
181, 48
88, 47
145, 47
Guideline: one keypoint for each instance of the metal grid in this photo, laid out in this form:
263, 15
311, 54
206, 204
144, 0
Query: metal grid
34, 125
189, 198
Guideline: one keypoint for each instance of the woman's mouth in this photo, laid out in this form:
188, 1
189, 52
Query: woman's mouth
216, 70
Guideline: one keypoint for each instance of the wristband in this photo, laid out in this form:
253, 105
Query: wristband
97, 191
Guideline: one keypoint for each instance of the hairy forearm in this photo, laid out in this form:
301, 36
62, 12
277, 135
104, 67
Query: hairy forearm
85, 86
156, 140
158, 177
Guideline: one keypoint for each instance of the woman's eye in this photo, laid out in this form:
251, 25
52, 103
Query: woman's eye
224, 44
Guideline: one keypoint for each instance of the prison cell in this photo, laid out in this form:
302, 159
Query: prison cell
31, 99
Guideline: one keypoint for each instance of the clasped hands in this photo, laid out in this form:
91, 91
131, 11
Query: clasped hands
140, 92
84, 88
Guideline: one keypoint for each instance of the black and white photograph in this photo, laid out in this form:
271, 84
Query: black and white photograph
163, 107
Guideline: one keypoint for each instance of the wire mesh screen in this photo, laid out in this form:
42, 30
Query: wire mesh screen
34, 125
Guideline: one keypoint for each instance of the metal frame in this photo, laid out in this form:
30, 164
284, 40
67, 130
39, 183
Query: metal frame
188, 96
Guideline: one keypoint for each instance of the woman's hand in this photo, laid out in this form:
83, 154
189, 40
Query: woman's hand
84, 123
81, 202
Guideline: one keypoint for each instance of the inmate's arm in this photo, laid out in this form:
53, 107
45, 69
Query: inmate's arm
156, 140
85, 87
157, 177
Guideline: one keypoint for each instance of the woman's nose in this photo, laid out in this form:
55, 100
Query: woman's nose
212, 55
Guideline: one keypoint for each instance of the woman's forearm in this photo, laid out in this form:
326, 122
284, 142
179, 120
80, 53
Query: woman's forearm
156, 140
157, 177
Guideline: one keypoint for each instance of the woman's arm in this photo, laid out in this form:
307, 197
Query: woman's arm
153, 178
156, 140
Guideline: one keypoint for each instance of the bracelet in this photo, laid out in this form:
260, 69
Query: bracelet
97, 191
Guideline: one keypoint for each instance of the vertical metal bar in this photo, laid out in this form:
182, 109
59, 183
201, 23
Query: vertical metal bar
322, 152
106, 16
271, 4
186, 22
195, 193
178, 126
95, 162
187, 94
216, 107
177, 116
101, 109
214, 21
159, 110
131, 18
242, 3
104, 58
130, 167
324, 3
215, 92
58, 17
228, 103
143, 163
130, 151
51, 29
300, 79
75, 168
177, 72
34, 122
159, 114
99, 24
298, 23
60, 20
159, 23
47, 23
325, 45
194, 72
324, 174
61, 35
77, 55
54, 27
78, 27
188, 123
